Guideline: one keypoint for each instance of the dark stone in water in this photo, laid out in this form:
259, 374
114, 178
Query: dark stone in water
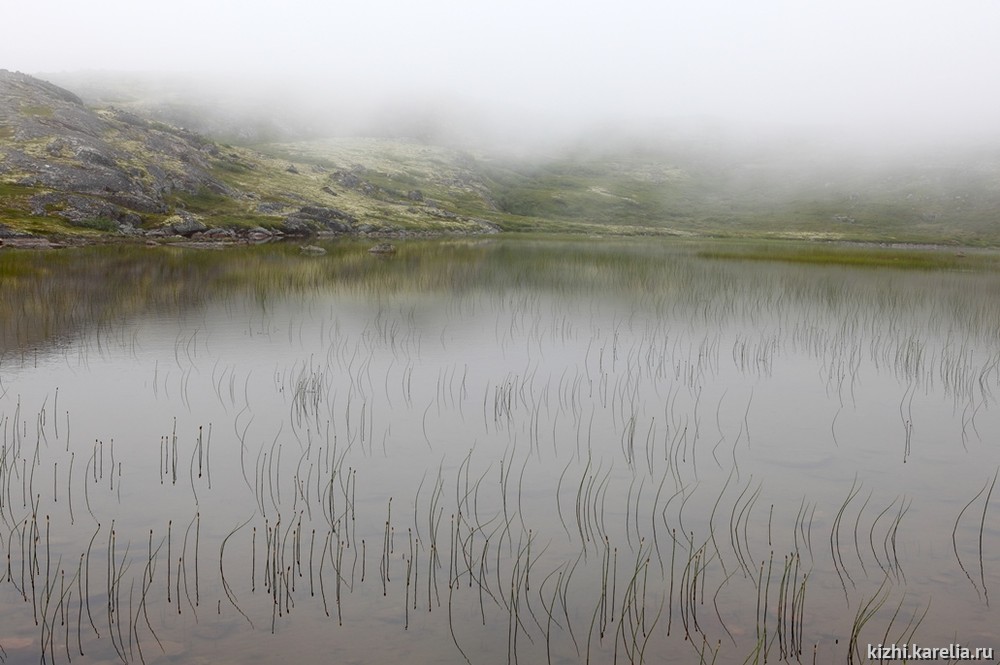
383, 248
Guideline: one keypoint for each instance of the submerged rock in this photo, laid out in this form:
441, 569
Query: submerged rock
383, 248
312, 250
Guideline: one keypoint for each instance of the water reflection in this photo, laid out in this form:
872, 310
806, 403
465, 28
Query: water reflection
493, 451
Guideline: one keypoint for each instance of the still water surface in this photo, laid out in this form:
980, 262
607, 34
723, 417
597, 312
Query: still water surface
493, 452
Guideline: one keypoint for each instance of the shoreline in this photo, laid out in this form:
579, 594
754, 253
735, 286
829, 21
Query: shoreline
219, 239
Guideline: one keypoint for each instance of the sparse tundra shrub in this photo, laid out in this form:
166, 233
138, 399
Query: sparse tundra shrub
98, 224
523, 203
37, 110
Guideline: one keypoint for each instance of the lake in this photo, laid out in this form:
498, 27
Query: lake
495, 451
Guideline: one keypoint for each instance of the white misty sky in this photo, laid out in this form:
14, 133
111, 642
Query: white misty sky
927, 66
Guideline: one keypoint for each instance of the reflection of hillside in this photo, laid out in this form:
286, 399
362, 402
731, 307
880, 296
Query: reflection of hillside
902, 317
52, 295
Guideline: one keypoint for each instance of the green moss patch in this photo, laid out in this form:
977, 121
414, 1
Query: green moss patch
37, 110
860, 256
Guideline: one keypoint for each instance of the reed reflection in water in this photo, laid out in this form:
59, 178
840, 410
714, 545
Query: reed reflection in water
492, 451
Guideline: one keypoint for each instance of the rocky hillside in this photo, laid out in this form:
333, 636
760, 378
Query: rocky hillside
69, 169
66, 169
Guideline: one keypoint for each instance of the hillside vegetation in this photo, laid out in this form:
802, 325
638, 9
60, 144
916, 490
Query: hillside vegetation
66, 169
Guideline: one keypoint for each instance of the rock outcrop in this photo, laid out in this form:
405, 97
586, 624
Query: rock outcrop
87, 166
65, 165
318, 219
